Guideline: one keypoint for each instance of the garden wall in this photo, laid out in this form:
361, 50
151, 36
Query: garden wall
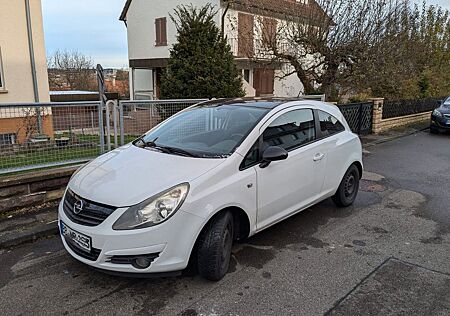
33, 190
380, 125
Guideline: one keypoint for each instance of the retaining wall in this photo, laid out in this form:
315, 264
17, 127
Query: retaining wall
31, 190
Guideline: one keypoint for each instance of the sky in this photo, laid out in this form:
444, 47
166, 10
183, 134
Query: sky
92, 27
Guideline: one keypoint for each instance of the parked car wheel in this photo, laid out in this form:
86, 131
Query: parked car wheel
348, 189
434, 130
214, 247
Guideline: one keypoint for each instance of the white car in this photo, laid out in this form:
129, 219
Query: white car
212, 174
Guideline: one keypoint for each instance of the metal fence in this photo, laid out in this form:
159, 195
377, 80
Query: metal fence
137, 117
43, 135
407, 107
47, 134
359, 116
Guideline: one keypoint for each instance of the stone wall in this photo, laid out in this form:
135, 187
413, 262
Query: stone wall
32, 190
380, 125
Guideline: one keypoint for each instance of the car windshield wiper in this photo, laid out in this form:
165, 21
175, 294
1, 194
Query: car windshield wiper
144, 143
176, 151
165, 149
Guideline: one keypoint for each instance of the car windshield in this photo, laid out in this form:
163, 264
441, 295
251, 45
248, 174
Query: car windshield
447, 102
213, 131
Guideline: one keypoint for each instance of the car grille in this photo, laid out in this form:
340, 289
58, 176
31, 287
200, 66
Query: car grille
92, 256
447, 115
91, 214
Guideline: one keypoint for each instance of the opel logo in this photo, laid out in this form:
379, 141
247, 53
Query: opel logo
78, 207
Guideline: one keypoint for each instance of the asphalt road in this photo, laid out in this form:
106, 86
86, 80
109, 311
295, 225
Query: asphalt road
388, 254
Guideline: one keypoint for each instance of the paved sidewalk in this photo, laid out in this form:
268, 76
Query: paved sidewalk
19, 229
372, 140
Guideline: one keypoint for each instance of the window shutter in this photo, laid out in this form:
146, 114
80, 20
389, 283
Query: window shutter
269, 31
161, 31
158, 31
245, 35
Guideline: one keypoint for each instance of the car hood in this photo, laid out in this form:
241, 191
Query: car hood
129, 175
444, 109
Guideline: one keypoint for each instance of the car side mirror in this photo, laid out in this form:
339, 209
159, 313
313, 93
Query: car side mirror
273, 153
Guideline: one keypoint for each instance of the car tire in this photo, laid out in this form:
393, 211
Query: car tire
214, 247
348, 189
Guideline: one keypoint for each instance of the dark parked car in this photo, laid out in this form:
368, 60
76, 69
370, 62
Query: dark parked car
440, 118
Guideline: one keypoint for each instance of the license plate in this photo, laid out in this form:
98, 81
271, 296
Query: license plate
80, 240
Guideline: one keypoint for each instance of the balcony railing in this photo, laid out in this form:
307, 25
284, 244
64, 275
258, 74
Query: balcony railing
260, 49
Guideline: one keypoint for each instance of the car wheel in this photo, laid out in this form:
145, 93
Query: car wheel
214, 247
348, 189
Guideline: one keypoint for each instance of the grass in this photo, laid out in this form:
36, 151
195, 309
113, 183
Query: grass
46, 156
86, 148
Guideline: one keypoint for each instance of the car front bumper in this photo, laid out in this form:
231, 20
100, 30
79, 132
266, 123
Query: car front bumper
440, 122
170, 243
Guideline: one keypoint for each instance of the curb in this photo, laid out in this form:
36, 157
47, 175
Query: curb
37, 232
391, 138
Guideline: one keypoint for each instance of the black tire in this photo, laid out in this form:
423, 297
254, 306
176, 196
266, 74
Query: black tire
214, 247
348, 189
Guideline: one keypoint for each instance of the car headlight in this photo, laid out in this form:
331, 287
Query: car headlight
154, 210
437, 113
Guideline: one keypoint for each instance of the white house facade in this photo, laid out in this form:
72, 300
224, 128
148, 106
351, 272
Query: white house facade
246, 23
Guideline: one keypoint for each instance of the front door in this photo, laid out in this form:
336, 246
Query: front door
263, 81
292, 184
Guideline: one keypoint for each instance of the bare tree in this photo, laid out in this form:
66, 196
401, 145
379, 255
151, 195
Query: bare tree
327, 40
71, 70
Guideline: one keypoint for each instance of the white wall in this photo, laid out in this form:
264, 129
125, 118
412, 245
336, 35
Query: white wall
141, 26
15, 52
290, 86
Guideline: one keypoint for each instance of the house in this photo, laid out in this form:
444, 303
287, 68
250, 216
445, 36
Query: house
23, 69
247, 24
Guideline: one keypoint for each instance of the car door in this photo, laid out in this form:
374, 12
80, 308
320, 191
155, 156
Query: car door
289, 185
334, 147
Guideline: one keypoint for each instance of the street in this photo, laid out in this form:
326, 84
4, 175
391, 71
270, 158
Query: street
388, 254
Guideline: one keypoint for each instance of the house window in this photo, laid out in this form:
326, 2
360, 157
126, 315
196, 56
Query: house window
7, 139
2, 78
161, 31
246, 75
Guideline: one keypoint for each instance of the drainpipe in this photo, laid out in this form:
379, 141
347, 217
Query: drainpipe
33, 63
224, 14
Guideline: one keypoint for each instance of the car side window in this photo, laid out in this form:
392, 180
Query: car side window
329, 125
291, 130
252, 157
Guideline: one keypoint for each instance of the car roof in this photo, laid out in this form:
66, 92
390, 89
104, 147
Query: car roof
271, 103
264, 103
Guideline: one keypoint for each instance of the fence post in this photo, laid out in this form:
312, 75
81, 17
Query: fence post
360, 118
377, 114
100, 128
122, 128
115, 109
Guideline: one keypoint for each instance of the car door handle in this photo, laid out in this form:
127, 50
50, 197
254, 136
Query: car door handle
318, 157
